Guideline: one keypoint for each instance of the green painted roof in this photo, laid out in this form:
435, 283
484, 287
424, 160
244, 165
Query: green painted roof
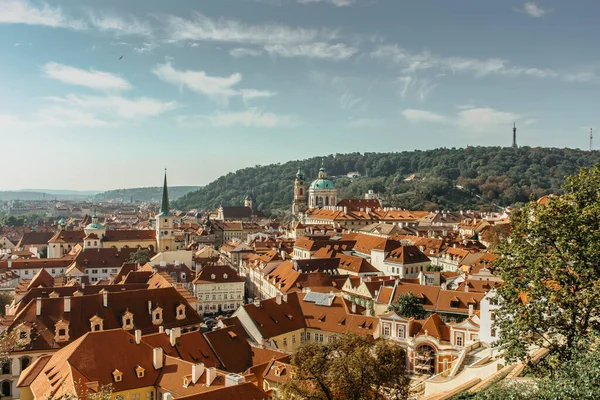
322, 184
164, 206
95, 226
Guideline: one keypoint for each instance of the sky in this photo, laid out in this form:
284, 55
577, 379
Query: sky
104, 95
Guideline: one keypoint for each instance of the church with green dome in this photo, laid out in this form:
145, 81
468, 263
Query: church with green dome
321, 192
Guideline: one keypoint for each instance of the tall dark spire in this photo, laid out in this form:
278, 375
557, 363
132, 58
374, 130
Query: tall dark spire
514, 145
164, 206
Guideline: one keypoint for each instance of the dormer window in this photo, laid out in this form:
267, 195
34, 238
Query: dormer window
157, 316
213, 276
180, 312
61, 329
139, 371
454, 302
224, 276
24, 334
96, 323
117, 375
127, 320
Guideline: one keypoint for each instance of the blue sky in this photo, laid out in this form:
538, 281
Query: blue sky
206, 87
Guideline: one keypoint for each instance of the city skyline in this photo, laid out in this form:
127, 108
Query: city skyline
207, 88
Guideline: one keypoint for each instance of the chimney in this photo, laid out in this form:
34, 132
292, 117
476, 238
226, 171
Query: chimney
466, 287
353, 308
278, 299
161, 329
471, 309
284, 297
234, 379
211, 374
167, 396
67, 306
149, 306
9, 263
173, 337
38, 306
197, 371
345, 210
256, 302
138, 336
444, 286
157, 357
104, 298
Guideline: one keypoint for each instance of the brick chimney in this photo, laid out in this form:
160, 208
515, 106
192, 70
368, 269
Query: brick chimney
211, 374
157, 357
38, 306
67, 306
197, 371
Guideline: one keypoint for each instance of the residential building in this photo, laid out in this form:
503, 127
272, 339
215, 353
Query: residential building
218, 288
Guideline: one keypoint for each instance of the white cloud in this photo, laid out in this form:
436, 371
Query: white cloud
121, 25
217, 88
411, 62
337, 3
92, 79
243, 52
130, 108
419, 87
23, 12
251, 118
533, 9
371, 123
53, 116
417, 116
145, 48
481, 120
203, 28
350, 102
319, 50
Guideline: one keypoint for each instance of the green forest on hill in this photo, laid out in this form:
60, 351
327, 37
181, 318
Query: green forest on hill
499, 175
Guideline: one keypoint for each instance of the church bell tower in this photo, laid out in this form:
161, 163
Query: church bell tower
299, 204
165, 238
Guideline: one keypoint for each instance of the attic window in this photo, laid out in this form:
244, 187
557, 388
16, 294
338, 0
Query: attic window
454, 302
139, 371
127, 320
96, 323
117, 375
157, 316
213, 276
224, 276
180, 312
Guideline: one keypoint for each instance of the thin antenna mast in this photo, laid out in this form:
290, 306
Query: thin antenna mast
591, 139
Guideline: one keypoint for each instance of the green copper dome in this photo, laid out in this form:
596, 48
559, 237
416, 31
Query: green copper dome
95, 226
322, 184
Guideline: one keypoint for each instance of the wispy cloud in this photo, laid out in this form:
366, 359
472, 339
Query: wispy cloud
532, 9
217, 88
337, 3
53, 116
412, 62
479, 120
251, 118
370, 123
417, 116
121, 25
337, 51
203, 28
421, 88
244, 52
92, 79
24, 12
129, 108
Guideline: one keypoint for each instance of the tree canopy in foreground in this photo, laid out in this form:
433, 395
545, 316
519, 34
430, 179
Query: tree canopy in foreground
351, 367
550, 267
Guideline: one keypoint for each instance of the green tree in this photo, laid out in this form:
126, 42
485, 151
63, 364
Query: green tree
142, 256
550, 296
5, 299
352, 367
408, 305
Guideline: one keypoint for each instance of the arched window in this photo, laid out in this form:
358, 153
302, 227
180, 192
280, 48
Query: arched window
6, 388
301, 191
25, 361
6, 368
326, 201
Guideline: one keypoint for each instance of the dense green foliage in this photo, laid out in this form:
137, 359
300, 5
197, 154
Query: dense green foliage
351, 367
501, 175
408, 305
142, 256
550, 295
574, 379
149, 194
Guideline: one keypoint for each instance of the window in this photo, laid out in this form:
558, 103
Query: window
284, 342
150, 395
23, 335
113, 271
25, 361
94, 271
320, 337
386, 330
401, 331
493, 332
139, 371
6, 389
62, 332
293, 339
225, 296
6, 368
53, 271
459, 339
307, 336
493, 316
135, 396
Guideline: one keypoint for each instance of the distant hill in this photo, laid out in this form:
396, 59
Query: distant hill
147, 194
36, 194
504, 176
